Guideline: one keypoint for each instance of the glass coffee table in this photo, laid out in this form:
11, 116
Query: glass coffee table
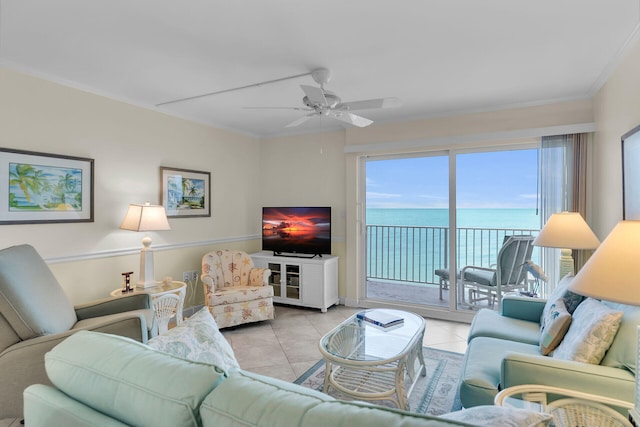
369, 362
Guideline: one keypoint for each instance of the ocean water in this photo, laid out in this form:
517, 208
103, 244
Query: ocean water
466, 218
417, 245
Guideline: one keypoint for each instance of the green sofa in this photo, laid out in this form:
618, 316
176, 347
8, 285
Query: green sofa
112, 381
504, 350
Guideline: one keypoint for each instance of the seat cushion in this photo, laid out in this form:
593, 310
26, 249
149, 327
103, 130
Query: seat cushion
489, 323
245, 312
119, 376
237, 294
31, 299
276, 403
481, 277
480, 381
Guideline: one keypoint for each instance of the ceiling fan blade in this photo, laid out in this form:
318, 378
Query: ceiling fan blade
370, 104
300, 121
315, 94
351, 119
278, 108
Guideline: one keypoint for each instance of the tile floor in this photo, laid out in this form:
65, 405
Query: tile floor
287, 346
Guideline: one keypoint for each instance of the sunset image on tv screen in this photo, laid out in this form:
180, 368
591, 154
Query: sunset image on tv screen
303, 230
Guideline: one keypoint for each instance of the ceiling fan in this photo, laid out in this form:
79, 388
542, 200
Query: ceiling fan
321, 102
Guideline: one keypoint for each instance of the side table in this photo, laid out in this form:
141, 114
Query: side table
163, 288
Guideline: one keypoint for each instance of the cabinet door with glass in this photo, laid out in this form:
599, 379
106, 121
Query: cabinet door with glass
285, 279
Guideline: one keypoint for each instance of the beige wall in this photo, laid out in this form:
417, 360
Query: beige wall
617, 110
128, 144
308, 170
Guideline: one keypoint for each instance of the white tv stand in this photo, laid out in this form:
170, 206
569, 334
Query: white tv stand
307, 282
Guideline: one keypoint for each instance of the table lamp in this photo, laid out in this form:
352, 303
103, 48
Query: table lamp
611, 274
145, 217
567, 231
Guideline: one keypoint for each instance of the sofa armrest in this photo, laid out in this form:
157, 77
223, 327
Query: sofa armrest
259, 276
21, 365
518, 369
107, 306
523, 308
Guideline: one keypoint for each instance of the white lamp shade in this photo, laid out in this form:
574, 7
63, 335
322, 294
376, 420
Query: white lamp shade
612, 272
567, 230
145, 218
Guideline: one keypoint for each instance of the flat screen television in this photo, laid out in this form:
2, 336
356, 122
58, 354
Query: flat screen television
296, 230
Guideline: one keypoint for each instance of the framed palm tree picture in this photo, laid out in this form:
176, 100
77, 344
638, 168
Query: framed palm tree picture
44, 188
185, 193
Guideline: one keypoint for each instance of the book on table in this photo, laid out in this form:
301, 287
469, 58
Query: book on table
380, 318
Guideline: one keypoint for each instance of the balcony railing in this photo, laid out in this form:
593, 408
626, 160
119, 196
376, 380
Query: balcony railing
412, 253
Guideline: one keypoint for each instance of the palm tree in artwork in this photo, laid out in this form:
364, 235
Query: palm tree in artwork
28, 179
187, 186
68, 182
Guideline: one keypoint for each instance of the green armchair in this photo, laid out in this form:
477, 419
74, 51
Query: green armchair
35, 315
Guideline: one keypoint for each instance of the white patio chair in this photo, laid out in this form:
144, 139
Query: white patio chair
165, 308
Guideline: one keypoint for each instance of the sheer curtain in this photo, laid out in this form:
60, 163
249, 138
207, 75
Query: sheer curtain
563, 187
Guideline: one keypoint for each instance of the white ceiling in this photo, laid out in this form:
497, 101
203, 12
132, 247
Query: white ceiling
439, 56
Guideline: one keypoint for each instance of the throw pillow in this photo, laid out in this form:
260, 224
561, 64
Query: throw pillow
504, 416
561, 292
555, 327
198, 339
592, 330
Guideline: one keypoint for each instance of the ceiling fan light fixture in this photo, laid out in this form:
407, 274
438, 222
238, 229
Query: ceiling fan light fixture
321, 76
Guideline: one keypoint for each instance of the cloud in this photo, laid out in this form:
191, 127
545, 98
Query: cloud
432, 197
374, 195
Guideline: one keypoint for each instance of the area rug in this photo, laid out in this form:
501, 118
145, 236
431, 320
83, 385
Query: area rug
434, 394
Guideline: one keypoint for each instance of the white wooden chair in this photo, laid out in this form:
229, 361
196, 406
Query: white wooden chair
166, 307
571, 408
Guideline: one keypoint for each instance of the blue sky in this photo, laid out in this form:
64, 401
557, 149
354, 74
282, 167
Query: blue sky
500, 179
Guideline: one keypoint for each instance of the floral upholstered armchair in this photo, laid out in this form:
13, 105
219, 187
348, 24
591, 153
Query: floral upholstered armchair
235, 291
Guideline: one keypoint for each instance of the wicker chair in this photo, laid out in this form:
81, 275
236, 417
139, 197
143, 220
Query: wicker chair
165, 308
570, 408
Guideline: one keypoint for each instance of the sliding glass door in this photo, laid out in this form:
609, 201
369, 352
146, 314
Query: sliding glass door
431, 214
407, 223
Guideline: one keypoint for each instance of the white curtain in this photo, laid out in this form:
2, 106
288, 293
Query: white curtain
563, 163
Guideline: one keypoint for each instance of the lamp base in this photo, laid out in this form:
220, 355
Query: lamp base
146, 280
566, 263
146, 285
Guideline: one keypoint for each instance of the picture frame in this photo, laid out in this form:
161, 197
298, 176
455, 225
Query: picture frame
44, 188
631, 174
185, 193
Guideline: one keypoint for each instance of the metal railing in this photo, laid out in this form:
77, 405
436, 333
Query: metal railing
413, 253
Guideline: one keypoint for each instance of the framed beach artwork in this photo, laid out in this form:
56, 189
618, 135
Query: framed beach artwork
631, 174
185, 193
44, 188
